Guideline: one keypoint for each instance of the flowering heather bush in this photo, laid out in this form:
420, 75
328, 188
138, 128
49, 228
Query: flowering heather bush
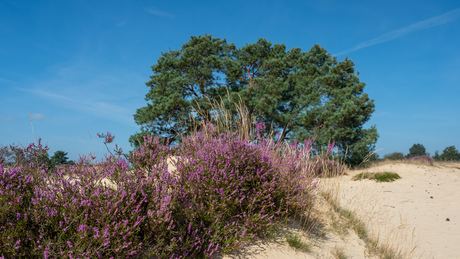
223, 193
422, 159
150, 153
64, 217
32, 156
108, 138
229, 192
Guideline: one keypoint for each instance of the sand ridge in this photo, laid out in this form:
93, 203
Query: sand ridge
426, 198
418, 214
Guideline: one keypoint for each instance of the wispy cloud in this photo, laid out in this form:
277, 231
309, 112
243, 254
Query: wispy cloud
425, 24
86, 105
5, 80
33, 116
6, 118
37, 116
158, 13
89, 90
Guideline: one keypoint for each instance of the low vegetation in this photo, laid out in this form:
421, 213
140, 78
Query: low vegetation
417, 154
379, 177
296, 242
339, 253
225, 192
425, 159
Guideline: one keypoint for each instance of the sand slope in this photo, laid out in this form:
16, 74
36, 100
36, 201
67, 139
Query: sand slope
427, 198
419, 215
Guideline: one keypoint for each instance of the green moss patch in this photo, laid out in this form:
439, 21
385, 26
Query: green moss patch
378, 177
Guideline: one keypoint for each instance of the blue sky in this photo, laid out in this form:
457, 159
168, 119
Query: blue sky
80, 67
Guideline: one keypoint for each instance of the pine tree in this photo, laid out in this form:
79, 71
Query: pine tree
416, 150
304, 94
450, 154
59, 158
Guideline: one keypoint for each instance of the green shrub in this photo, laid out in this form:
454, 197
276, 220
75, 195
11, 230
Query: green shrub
378, 177
450, 154
386, 177
416, 150
394, 156
361, 176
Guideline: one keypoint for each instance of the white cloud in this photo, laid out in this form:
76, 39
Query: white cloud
90, 106
158, 13
425, 24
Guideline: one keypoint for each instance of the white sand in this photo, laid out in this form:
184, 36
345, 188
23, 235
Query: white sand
423, 199
401, 213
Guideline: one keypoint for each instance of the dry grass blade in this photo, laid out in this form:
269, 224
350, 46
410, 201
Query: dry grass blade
226, 122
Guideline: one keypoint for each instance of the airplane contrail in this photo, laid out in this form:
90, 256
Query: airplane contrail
425, 24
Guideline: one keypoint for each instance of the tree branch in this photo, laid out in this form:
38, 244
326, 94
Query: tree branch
283, 135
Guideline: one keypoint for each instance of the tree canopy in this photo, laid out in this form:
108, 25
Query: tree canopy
450, 153
416, 150
394, 156
303, 93
60, 158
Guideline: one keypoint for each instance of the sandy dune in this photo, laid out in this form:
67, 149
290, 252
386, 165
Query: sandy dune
426, 198
418, 214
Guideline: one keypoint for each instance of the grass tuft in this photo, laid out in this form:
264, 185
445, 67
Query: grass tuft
378, 177
296, 242
338, 253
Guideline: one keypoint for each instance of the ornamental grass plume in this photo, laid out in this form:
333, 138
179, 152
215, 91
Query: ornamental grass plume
330, 168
